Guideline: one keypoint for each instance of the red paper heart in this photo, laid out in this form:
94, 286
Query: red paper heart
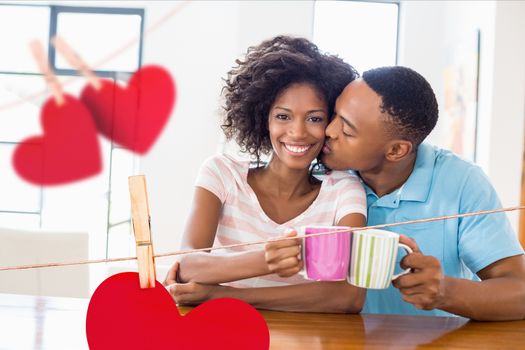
121, 315
68, 151
133, 116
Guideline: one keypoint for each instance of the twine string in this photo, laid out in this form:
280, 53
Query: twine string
191, 251
104, 60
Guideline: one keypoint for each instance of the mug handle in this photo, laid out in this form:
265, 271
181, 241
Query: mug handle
301, 231
409, 251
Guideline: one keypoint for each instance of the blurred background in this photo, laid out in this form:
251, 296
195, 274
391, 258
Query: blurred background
472, 53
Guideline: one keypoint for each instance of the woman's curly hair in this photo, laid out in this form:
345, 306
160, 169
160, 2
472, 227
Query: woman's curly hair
269, 68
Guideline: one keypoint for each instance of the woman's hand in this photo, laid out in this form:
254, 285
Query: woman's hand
191, 293
171, 277
284, 257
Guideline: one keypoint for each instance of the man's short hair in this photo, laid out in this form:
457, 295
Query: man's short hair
407, 98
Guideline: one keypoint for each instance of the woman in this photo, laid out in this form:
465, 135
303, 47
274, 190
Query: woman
278, 102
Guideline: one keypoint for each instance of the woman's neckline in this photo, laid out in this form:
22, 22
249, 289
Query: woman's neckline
265, 216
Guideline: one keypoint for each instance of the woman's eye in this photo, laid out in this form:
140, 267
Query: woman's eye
316, 119
281, 116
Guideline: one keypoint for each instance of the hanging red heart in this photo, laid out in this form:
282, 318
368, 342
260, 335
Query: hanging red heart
68, 151
121, 315
134, 116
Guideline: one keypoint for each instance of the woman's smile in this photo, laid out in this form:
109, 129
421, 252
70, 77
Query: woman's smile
297, 149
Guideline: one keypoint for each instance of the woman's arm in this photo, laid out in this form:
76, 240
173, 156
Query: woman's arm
330, 297
337, 297
333, 297
200, 233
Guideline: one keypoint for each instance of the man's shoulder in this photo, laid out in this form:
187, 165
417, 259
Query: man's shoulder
448, 163
455, 178
445, 157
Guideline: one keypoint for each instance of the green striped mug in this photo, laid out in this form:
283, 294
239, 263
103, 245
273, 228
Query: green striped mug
373, 258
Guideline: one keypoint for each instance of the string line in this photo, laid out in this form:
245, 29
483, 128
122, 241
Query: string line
339, 230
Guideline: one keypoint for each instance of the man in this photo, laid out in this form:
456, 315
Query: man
379, 125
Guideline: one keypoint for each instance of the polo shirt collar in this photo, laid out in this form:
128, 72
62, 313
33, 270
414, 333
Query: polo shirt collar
417, 186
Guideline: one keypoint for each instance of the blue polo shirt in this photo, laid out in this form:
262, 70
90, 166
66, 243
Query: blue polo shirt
442, 184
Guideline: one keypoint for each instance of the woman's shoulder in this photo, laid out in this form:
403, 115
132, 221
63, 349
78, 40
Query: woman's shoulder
342, 183
225, 161
226, 166
341, 178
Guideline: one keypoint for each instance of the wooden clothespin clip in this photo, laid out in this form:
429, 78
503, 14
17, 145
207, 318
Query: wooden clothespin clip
43, 67
142, 230
76, 61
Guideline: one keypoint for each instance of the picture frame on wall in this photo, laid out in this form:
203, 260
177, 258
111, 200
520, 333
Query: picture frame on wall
461, 90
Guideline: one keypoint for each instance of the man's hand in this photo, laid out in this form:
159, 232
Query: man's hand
191, 293
424, 287
283, 257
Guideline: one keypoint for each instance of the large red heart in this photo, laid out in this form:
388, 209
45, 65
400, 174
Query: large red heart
121, 315
69, 149
134, 116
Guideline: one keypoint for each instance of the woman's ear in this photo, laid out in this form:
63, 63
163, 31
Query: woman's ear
399, 150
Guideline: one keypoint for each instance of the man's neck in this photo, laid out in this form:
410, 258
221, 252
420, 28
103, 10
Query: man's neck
390, 177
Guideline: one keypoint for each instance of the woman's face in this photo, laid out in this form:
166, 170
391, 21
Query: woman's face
296, 122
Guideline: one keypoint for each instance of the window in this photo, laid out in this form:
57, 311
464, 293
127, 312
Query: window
16, 196
113, 48
363, 33
15, 57
114, 28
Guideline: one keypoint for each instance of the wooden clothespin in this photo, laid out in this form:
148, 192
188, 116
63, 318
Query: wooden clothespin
76, 61
142, 230
43, 67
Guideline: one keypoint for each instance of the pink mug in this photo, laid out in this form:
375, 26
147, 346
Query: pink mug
326, 258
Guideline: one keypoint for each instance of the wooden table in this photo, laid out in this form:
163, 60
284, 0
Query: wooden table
28, 322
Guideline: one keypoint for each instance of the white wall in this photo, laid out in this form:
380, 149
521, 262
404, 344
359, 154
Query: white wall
261, 20
197, 45
508, 103
426, 31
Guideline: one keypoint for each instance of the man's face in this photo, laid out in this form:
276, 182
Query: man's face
356, 137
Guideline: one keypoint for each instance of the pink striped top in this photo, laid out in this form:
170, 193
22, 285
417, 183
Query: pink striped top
243, 220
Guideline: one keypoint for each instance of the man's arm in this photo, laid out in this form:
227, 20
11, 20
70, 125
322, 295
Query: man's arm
499, 296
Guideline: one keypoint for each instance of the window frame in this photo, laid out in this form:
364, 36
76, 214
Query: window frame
114, 75
53, 22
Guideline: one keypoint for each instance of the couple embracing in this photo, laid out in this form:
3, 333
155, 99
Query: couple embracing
298, 106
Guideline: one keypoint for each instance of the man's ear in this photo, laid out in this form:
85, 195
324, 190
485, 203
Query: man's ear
398, 150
